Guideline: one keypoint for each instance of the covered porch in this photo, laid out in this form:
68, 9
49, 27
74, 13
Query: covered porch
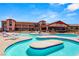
58, 26
58, 29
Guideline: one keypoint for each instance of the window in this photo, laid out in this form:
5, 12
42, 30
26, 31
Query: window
76, 27
71, 27
10, 24
4, 24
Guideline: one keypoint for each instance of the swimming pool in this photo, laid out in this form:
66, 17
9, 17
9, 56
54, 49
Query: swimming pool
66, 35
20, 48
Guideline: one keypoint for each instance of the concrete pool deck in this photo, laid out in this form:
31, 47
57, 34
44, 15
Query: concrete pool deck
76, 39
5, 43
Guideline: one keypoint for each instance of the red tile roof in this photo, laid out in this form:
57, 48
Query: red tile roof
59, 22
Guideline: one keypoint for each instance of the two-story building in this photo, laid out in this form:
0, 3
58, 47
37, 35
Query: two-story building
43, 26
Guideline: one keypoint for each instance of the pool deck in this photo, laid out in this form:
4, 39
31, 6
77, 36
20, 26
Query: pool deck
76, 39
5, 43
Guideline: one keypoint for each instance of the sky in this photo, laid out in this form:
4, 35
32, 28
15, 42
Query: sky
34, 12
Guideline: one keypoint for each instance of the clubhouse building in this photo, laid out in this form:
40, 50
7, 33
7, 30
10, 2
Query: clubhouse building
11, 25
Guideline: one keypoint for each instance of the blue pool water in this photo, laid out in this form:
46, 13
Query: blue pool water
67, 35
21, 48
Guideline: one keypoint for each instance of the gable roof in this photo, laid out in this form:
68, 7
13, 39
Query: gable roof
58, 22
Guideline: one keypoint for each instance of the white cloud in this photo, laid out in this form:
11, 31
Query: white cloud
51, 4
49, 16
73, 7
71, 14
62, 3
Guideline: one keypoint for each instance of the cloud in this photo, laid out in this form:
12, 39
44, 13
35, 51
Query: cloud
62, 3
71, 14
49, 16
51, 4
73, 7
